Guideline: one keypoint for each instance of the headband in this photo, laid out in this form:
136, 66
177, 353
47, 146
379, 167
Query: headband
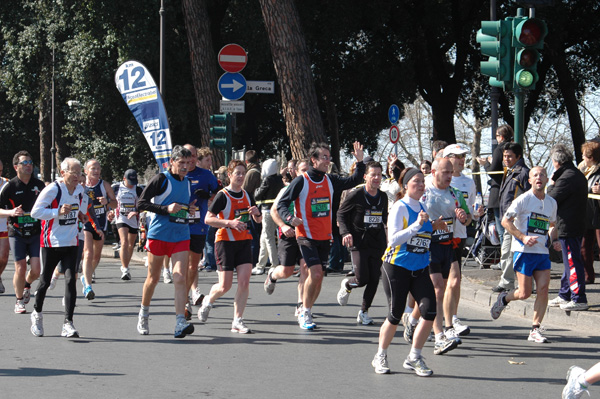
410, 173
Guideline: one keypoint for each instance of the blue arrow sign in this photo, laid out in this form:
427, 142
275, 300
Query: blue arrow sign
394, 114
232, 86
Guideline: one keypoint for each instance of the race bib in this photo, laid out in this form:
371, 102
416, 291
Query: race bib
126, 209
243, 215
373, 219
320, 207
419, 244
195, 218
70, 217
443, 236
180, 217
27, 224
99, 210
538, 224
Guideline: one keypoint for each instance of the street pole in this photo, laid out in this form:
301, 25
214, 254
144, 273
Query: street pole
161, 86
495, 93
519, 115
53, 148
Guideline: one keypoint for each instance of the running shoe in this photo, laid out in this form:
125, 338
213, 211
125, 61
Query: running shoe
556, 302
418, 365
569, 306
93, 277
444, 345
125, 275
305, 320
343, 294
405, 318
204, 311
183, 328
573, 389
298, 310
239, 326
142, 325
88, 293
381, 364
409, 331
451, 333
37, 324
498, 306
2, 289
461, 329
537, 335
197, 297
20, 307
269, 283
26, 295
116, 246
364, 319
167, 277
52, 284
69, 330
188, 311
258, 270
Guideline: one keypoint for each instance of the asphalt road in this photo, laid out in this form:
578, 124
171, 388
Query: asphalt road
111, 360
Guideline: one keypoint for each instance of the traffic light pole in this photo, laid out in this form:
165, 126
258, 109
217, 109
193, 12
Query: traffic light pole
519, 115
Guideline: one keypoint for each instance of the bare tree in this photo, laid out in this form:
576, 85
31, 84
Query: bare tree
292, 66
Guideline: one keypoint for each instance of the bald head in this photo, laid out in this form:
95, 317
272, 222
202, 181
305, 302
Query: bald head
442, 170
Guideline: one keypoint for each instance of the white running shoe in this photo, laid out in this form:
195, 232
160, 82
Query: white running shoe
498, 306
204, 311
125, 275
52, 284
37, 324
142, 325
258, 270
183, 328
197, 297
380, 364
69, 330
418, 365
452, 334
239, 326
167, 277
573, 389
20, 307
269, 284
536, 335
556, 302
461, 329
26, 295
574, 306
343, 294
364, 319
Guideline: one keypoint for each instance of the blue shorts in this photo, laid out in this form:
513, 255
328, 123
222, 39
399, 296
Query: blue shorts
526, 264
23, 246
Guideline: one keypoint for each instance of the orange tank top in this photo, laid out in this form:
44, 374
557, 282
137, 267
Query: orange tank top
236, 208
313, 206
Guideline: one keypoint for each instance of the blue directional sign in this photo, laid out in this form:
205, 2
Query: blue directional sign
232, 86
394, 114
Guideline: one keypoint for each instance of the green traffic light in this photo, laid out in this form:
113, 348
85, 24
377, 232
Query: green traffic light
525, 78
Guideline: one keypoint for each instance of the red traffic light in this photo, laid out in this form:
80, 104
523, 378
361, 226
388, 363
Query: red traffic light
527, 57
531, 32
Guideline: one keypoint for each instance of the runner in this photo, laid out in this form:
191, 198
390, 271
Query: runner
530, 220
204, 186
60, 206
230, 212
4, 246
312, 195
167, 195
102, 197
16, 200
362, 219
405, 270
126, 214
579, 380
288, 250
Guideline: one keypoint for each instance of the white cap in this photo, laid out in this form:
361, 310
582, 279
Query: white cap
455, 149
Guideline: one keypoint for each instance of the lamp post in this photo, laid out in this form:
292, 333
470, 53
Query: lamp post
161, 86
53, 148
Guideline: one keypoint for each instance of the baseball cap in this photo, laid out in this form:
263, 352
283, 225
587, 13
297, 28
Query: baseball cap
131, 176
455, 149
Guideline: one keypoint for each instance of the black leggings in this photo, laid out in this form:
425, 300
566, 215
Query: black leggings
367, 267
398, 282
50, 258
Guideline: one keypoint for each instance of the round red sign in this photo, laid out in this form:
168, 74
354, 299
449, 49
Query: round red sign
233, 58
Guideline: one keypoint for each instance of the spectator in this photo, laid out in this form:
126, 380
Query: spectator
591, 169
425, 167
251, 183
390, 186
569, 188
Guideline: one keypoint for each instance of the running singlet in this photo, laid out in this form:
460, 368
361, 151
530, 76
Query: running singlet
96, 191
236, 208
172, 227
201, 179
414, 254
16, 193
3, 221
127, 199
441, 203
313, 206
59, 230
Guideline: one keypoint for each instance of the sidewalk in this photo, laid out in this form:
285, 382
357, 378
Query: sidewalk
477, 287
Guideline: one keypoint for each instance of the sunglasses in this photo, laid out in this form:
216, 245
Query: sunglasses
29, 162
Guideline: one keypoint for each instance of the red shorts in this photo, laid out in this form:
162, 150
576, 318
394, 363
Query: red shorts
3, 234
162, 248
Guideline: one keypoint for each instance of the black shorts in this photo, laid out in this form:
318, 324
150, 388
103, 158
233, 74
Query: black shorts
197, 242
132, 230
95, 235
314, 252
231, 254
441, 257
288, 251
458, 251
23, 246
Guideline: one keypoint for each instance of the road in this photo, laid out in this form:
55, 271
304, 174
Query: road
111, 360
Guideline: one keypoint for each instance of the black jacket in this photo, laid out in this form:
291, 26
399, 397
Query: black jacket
592, 221
514, 183
496, 178
570, 190
351, 218
268, 190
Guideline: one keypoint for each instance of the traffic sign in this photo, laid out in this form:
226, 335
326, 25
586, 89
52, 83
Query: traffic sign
260, 86
233, 107
232, 86
394, 114
394, 134
232, 58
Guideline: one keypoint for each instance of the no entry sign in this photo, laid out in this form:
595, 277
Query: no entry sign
233, 58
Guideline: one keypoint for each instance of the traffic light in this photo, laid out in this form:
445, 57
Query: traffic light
495, 40
527, 38
220, 132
